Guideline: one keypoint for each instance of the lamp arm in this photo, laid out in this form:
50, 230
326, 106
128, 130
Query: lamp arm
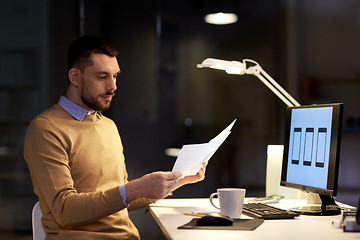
274, 90
272, 85
278, 87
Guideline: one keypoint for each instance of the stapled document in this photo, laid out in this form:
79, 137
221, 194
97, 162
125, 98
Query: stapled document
193, 156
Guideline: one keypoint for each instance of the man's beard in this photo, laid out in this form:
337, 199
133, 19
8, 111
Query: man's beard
92, 102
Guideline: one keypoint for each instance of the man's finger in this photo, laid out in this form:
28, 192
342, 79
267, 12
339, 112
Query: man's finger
174, 175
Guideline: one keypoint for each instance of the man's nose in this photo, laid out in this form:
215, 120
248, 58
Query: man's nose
111, 85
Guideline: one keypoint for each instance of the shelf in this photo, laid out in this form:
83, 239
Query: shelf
20, 87
7, 123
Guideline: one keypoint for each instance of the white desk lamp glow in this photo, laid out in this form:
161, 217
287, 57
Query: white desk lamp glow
274, 151
239, 68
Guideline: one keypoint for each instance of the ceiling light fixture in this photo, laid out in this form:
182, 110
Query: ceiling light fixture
221, 18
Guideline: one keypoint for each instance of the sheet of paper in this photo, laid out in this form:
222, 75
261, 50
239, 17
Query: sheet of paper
192, 156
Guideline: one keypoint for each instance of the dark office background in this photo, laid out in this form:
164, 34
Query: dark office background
310, 47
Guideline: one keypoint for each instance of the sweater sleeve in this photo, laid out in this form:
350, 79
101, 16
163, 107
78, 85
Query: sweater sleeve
140, 203
47, 159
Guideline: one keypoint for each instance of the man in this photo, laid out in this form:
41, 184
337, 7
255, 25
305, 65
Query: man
75, 155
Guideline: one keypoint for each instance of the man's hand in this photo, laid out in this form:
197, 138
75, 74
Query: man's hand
192, 178
156, 185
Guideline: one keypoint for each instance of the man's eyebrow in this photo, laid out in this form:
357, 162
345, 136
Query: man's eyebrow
102, 72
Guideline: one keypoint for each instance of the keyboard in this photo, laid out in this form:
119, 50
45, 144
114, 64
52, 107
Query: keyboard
263, 211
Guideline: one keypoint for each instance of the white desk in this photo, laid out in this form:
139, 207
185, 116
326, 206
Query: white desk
169, 215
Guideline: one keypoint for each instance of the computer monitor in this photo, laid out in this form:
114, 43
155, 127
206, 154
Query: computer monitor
311, 154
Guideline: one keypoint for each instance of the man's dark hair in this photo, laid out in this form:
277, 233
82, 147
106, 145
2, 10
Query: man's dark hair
81, 49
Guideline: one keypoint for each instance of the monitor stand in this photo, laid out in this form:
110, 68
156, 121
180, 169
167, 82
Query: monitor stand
328, 207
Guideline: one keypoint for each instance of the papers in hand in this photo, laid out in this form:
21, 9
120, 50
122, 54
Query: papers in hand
192, 157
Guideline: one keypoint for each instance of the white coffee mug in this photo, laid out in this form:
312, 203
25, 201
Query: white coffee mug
231, 201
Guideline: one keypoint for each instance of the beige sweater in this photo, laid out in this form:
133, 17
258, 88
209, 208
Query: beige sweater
76, 169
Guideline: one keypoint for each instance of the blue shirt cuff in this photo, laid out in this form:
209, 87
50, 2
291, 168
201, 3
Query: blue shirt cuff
123, 194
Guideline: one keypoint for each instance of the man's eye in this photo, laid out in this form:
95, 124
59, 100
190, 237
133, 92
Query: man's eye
103, 76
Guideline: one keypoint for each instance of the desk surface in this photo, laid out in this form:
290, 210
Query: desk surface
169, 215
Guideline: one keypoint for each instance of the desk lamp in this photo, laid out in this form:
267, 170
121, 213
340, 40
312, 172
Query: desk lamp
239, 68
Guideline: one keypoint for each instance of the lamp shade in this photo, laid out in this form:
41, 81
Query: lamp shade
231, 67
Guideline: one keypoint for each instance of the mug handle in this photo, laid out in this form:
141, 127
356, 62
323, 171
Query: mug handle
211, 198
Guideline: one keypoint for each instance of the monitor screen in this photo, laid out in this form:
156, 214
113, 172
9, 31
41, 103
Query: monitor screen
311, 148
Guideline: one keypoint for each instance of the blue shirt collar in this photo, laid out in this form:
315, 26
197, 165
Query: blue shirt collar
73, 109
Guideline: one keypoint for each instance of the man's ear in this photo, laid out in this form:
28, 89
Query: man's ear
74, 76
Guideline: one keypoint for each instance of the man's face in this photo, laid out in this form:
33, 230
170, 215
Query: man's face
98, 82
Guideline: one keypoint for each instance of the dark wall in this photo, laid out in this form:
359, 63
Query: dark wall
309, 48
